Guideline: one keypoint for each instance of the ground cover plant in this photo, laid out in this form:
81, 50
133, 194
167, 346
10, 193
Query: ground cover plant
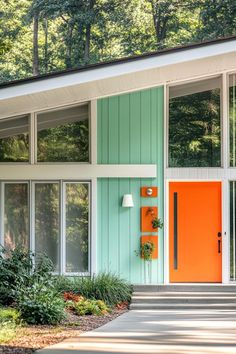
9, 320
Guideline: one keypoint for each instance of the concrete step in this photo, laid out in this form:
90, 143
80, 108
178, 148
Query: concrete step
228, 306
183, 300
184, 294
186, 288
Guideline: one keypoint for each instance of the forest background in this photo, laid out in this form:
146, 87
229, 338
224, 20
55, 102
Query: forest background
43, 36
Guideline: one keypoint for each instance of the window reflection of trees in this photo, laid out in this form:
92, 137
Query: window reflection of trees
77, 227
194, 130
47, 220
16, 215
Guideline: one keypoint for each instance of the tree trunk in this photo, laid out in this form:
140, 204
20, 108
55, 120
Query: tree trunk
46, 45
87, 44
36, 46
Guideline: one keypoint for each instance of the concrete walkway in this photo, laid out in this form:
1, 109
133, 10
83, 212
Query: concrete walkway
160, 331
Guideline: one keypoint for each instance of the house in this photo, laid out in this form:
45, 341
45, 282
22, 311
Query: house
160, 127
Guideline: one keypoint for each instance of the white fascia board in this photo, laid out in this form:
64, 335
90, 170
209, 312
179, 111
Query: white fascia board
101, 73
75, 172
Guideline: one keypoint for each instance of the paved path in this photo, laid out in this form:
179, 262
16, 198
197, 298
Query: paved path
188, 331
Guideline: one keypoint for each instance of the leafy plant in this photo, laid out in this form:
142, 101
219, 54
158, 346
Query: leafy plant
40, 304
146, 250
10, 319
14, 265
17, 269
9, 314
157, 223
90, 307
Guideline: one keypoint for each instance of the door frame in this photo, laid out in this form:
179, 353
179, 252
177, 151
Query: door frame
224, 220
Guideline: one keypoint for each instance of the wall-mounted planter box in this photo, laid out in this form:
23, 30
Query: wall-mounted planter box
147, 215
149, 192
154, 240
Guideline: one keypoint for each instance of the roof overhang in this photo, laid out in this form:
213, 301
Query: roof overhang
117, 78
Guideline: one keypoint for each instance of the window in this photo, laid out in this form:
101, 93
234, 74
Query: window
63, 135
77, 227
47, 221
195, 124
15, 201
59, 224
14, 139
232, 119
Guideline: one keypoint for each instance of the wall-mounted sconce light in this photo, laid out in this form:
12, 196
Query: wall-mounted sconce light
127, 201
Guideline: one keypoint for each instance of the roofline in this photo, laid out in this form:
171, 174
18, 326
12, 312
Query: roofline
116, 61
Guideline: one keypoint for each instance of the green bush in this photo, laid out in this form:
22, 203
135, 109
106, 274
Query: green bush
90, 307
9, 315
9, 321
65, 284
40, 304
16, 267
105, 286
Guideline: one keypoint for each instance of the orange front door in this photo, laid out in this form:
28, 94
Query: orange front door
195, 232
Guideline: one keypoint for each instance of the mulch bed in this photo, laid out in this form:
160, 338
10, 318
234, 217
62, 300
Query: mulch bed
31, 338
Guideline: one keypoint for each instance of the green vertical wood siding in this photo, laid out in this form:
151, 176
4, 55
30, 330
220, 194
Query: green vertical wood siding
130, 131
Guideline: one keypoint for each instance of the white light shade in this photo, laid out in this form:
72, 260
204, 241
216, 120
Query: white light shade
127, 201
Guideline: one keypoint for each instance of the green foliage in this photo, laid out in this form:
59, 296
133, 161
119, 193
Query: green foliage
157, 223
90, 307
73, 33
146, 250
17, 270
40, 304
105, 286
9, 314
9, 320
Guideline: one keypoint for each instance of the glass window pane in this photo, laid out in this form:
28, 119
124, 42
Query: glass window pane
47, 223
16, 215
14, 139
233, 230
63, 136
77, 227
232, 119
194, 124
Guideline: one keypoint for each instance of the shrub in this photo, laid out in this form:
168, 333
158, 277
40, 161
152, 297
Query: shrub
65, 284
16, 267
69, 296
9, 315
13, 266
90, 307
9, 320
40, 304
105, 286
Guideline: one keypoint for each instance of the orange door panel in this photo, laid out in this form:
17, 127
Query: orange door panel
195, 242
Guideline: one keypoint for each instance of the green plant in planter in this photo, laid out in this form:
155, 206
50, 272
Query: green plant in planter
146, 250
157, 223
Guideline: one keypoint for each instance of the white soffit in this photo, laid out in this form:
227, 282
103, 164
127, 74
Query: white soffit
119, 69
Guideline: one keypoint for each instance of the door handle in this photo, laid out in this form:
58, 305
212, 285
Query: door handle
219, 246
219, 234
175, 230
